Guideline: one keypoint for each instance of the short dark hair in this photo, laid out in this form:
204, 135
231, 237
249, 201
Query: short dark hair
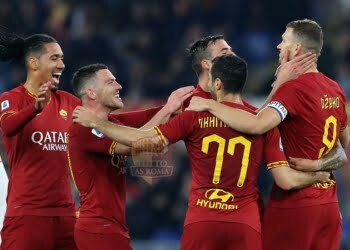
14, 47
232, 71
83, 75
309, 33
199, 51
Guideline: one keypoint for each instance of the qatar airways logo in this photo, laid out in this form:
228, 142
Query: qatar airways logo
51, 140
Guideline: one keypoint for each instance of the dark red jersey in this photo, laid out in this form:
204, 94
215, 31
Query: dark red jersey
224, 166
313, 111
100, 174
100, 178
36, 146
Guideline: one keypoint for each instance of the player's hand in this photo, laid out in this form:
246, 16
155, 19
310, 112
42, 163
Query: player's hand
43, 97
177, 97
84, 117
305, 165
289, 70
198, 104
323, 176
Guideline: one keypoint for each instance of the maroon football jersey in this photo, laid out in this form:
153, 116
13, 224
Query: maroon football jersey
100, 178
224, 166
39, 181
99, 174
313, 109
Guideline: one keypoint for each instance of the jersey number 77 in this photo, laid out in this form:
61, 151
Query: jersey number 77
230, 150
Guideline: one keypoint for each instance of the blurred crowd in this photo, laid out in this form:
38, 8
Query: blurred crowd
144, 43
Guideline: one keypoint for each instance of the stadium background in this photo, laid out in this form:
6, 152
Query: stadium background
143, 42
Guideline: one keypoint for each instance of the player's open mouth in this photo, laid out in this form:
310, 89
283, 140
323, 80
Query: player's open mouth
118, 97
57, 76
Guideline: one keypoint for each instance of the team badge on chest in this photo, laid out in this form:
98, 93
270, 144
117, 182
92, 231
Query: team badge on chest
63, 113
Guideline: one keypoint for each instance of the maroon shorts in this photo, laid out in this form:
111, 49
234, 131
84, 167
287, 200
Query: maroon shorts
96, 241
307, 228
214, 235
29, 232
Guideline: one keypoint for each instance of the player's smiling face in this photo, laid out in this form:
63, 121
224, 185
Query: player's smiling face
108, 89
50, 64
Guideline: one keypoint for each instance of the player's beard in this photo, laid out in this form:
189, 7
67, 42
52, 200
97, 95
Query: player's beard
283, 54
54, 88
113, 106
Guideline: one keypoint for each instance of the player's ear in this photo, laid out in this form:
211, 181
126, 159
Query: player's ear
91, 94
218, 84
206, 64
33, 63
298, 49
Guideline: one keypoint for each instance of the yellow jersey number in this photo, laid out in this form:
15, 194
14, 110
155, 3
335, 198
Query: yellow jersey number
329, 143
230, 150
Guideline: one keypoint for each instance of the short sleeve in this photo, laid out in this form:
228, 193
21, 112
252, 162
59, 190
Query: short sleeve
90, 140
273, 150
180, 127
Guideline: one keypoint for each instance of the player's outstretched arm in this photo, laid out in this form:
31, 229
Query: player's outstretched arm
289, 179
122, 134
154, 144
121, 149
173, 104
13, 122
335, 159
238, 119
143, 149
136, 119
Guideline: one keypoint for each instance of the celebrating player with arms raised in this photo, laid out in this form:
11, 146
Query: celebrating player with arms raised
34, 122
